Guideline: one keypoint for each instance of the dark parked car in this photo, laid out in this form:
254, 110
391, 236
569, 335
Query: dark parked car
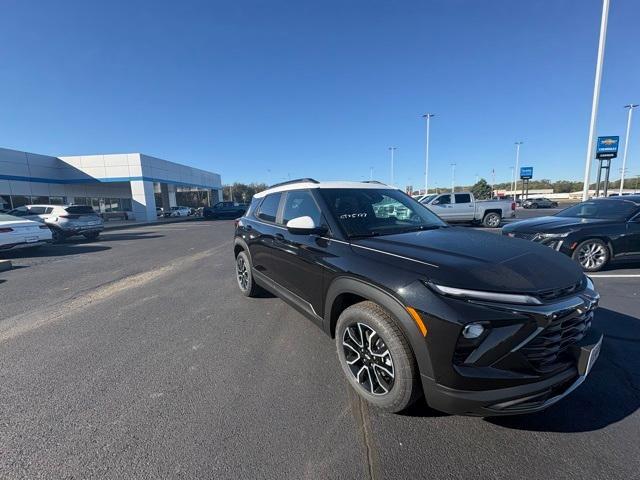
539, 203
224, 210
415, 306
593, 233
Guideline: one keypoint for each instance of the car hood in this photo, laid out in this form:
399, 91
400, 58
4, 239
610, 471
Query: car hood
552, 224
465, 258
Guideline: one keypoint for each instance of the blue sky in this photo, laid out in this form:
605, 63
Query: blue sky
263, 90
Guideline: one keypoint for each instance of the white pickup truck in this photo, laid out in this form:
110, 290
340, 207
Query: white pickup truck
464, 208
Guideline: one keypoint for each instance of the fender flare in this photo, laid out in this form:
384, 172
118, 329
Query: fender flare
387, 301
238, 241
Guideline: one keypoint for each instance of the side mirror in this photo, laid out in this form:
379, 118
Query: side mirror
304, 226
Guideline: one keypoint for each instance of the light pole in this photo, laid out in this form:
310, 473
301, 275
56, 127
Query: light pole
370, 173
631, 106
393, 151
453, 177
427, 117
596, 99
515, 178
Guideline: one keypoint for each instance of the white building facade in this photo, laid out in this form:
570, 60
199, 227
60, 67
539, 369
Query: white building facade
134, 183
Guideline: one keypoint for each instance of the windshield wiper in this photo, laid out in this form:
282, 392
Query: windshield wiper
420, 228
364, 235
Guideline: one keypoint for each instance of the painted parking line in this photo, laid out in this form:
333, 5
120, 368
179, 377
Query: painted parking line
621, 275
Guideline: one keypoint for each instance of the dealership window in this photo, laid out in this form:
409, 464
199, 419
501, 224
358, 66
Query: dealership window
80, 201
126, 204
20, 200
5, 202
57, 200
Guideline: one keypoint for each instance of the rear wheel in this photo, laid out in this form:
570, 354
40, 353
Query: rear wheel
491, 220
376, 358
534, 205
592, 255
244, 276
92, 235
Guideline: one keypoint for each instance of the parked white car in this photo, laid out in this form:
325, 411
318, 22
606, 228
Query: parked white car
64, 220
18, 232
180, 211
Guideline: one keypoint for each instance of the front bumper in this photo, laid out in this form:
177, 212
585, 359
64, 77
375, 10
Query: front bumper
521, 399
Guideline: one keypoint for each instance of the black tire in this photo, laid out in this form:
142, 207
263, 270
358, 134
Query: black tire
592, 255
244, 276
491, 220
403, 386
534, 205
91, 236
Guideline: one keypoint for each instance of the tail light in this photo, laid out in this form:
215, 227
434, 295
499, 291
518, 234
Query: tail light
64, 216
6, 230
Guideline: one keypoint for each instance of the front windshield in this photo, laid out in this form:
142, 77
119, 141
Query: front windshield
602, 209
366, 212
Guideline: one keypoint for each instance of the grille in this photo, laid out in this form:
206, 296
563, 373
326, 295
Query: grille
526, 236
561, 292
546, 350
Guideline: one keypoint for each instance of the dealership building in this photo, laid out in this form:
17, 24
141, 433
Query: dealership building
132, 185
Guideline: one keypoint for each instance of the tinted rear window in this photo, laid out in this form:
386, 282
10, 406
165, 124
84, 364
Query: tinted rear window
80, 210
463, 198
269, 207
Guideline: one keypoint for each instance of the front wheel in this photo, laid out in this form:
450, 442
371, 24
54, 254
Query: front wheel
491, 220
57, 236
92, 235
592, 255
376, 357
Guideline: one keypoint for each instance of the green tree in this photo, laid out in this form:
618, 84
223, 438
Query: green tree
242, 192
481, 190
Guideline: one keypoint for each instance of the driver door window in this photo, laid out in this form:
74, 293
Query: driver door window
300, 203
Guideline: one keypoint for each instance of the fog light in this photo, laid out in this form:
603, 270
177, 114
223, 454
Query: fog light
473, 330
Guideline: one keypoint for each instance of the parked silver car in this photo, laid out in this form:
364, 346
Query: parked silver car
64, 220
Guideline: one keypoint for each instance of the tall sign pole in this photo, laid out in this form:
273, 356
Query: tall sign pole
515, 180
631, 106
596, 99
427, 117
393, 151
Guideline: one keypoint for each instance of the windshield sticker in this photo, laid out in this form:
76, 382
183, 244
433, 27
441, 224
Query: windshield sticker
353, 215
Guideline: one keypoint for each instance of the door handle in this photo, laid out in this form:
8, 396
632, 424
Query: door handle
279, 236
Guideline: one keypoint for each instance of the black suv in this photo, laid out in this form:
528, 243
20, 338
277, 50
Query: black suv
224, 210
481, 324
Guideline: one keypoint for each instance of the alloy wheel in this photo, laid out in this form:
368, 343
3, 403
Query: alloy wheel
368, 358
592, 255
242, 273
493, 220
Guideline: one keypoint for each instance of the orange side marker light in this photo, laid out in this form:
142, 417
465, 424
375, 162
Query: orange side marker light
416, 318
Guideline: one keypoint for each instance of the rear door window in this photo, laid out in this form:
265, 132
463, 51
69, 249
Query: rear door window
80, 210
268, 210
463, 198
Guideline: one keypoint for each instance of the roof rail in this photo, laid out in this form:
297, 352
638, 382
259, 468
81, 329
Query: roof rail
297, 180
374, 181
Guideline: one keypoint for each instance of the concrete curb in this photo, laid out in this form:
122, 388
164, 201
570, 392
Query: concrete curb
5, 265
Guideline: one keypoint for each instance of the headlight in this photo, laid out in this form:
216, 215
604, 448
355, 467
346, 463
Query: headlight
546, 236
487, 296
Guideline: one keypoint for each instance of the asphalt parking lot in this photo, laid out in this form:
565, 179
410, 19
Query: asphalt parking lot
137, 357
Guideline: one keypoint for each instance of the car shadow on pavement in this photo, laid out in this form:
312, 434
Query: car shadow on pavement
58, 250
610, 393
114, 237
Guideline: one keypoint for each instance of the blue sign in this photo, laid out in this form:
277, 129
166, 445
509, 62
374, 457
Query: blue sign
526, 173
607, 147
